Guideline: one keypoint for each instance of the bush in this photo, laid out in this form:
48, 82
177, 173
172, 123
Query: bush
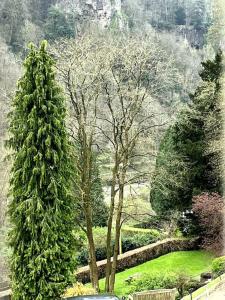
180, 281
82, 257
218, 266
155, 222
137, 241
188, 224
153, 282
131, 231
132, 238
79, 289
209, 209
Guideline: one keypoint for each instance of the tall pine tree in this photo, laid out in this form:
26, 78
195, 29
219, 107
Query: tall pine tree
42, 207
195, 140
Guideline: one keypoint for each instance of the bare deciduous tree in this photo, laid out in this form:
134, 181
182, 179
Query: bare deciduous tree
130, 112
113, 86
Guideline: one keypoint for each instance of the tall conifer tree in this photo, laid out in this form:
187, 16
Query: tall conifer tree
195, 140
42, 208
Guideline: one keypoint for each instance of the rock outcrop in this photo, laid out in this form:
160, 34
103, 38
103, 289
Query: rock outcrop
103, 12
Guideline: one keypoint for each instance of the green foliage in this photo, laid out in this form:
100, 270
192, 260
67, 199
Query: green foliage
131, 231
58, 25
171, 178
42, 207
156, 222
218, 266
130, 240
39, 9
180, 16
133, 238
12, 21
198, 19
181, 281
216, 30
137, 241
189, 155
154, 281
192, 263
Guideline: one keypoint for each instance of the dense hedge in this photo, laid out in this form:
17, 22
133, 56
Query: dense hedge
131, 239
179, 281
136, 257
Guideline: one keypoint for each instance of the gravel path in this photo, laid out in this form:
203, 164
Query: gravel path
219, 294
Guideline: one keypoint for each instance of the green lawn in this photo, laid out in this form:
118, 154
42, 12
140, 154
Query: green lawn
190, 262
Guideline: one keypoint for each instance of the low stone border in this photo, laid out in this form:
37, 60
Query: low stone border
207, 289
141, 255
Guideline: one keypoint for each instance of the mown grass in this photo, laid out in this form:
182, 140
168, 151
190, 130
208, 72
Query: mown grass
192, 263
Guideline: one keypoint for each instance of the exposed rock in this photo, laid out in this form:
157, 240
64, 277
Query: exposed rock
103, 12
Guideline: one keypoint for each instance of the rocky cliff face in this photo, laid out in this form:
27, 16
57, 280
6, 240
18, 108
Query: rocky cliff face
103, 12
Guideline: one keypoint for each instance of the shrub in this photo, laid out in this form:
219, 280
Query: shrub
137, 241
188, 224
131, 231
209, 209
153, 282
132, 238
82, 257
218, 266
180, 281
153, 222
79, 289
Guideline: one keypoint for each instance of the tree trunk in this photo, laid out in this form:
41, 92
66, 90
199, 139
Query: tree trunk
117, 238
109, 229
92, 256
87, 205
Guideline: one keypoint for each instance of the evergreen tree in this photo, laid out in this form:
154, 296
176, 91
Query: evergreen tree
180, 16
42, 208
216, 32
39, 9
12, 19
59, 25
198, 15
192, 139
170, 185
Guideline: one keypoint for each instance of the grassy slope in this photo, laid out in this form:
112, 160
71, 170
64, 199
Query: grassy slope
190, 262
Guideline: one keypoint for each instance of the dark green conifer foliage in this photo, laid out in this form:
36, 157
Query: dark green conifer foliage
42, 208
171, 178
58, 25
195, 140
180, 16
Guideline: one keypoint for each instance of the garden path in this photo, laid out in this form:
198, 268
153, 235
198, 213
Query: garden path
218, 294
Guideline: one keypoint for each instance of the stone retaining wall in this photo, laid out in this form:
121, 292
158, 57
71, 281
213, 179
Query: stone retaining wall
138, 256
